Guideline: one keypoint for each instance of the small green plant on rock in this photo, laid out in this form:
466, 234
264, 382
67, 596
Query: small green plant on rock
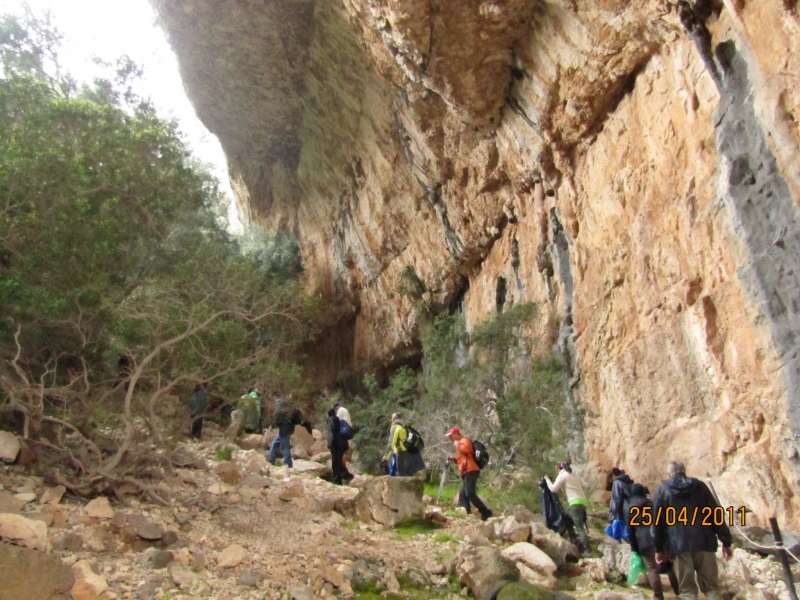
223, 452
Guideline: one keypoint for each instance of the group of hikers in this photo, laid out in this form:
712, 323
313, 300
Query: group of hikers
672, 532
683, 548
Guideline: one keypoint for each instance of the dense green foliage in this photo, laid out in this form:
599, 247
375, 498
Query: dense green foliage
119, 282
489, 382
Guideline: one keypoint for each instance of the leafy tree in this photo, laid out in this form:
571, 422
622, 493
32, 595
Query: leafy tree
119, 283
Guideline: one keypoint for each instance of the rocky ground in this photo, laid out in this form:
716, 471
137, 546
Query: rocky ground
240, 528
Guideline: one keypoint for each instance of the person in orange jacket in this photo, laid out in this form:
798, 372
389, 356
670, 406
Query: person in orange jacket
470, 471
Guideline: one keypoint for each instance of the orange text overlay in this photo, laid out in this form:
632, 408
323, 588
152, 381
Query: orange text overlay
707, 516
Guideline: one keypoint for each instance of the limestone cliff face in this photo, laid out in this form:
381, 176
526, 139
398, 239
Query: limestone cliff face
633, 166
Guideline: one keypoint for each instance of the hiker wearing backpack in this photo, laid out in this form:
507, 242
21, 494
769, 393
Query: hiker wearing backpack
470, 471
286, 418
576, 499
338, 445
406, 445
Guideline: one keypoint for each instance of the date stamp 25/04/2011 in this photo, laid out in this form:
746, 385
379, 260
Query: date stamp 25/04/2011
708, 516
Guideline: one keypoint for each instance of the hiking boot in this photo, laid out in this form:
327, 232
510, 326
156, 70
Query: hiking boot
586, 554
487, 515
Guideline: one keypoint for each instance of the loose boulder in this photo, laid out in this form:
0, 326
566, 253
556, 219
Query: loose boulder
231, 556
32, 575
485, 571
302, 439
552, 544
25, 532
616, 555
532, 556
228, 472
99, 508
525, 591
309, 467
9, 447
250, 461
388, 500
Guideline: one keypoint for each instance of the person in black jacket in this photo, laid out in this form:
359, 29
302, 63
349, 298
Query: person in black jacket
620, 498
641, 541
338, 446
683, 537
286, 419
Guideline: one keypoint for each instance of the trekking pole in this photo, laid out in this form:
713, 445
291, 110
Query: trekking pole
444, 479
780, 551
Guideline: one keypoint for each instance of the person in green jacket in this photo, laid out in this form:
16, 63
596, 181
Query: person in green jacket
576, 498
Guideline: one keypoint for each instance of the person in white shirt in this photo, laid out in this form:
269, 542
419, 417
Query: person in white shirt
576, 499
342, 413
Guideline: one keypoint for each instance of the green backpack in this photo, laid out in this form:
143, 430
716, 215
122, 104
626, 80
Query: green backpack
250, 407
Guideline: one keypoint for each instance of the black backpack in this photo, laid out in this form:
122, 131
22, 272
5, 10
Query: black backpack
414, 442
480, 454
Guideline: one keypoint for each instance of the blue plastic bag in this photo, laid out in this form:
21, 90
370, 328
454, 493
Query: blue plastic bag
617, 530
393, 465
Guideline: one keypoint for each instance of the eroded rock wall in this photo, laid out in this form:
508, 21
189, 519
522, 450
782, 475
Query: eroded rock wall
633, 167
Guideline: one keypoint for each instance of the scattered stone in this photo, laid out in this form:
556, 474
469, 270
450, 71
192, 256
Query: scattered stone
615, 595
186, 476
53, 495
99, 508
391, 582
512, 530
334, 576
90, 582
44, 517
250, 461
255, 482
9, 504
149, 532
32, 575
183, 576
485, 571
217, 489
119, 520
184, 457
596, 568
228, 472
160, 559
26, 497
293, 490
303, 593
9, 447
248, 578
252, 441
231, 556
169, 538
70, 542
26, 532
523, 590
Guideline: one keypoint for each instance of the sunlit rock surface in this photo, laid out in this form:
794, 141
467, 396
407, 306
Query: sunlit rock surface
632, 166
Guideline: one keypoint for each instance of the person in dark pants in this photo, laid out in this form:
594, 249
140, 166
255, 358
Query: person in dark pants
576, 500
641, 541
470, 471
691, 544
286, 419
338, 446
198, 404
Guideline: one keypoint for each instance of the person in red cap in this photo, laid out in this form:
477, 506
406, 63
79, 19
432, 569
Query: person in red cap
470, 471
